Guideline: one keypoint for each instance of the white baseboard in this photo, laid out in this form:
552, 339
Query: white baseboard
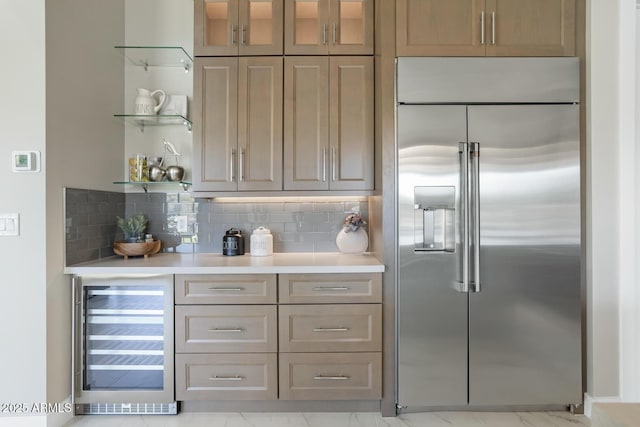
589, 401
24, 421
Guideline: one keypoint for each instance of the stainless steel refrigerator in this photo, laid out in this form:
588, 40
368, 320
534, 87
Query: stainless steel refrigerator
488, 261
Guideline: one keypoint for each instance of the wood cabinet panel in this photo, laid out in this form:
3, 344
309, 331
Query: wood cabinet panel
225, 289
328, 137
227, 376
330, 328
330, 288
485, 27
225, 329
237, 133
330, 376
238, 27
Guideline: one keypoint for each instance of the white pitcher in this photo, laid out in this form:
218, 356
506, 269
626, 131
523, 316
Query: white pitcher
145, 103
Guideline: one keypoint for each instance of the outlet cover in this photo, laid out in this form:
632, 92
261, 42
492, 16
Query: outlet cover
10, 224
182, 225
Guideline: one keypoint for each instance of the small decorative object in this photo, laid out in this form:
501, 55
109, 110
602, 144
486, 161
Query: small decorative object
261, 242
145, 249
233, 242
174, 172
133, 227
146, 104
353, 238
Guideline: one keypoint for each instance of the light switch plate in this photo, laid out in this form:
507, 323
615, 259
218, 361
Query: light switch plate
10, 224
25, 161
182, 224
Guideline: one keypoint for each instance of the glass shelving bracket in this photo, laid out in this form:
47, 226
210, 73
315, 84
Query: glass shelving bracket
157, 56
156, 120
145, 184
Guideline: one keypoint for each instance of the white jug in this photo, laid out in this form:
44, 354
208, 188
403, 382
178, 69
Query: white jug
145, 103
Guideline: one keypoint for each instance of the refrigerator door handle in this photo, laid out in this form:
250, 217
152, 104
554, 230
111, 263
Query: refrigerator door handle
464, 214
475, 189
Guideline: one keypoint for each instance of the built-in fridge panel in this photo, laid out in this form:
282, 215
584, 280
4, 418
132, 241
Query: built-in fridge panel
524, 323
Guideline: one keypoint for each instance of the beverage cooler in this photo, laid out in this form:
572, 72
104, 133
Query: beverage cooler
123, 345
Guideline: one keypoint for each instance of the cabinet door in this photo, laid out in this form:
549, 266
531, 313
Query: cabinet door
260, 27
351, 123
306, 27
215, 27
260, 124
440, 27
215, 124
306, 123
531, 27
351, 27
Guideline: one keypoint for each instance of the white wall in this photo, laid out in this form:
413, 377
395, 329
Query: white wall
612, 218
85, 144
22, 258
158, 23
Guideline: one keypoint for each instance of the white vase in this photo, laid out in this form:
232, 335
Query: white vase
353, 242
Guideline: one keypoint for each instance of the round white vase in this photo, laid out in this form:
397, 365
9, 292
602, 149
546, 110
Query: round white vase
353, 242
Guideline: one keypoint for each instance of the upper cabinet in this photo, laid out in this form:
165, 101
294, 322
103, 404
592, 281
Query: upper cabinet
238, 27
237, 132
328, 123
321, 27
485, 27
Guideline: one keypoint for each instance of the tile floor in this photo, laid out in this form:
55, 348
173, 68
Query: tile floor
429, 419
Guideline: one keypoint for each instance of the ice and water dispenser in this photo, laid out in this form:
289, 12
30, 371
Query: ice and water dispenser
434, 218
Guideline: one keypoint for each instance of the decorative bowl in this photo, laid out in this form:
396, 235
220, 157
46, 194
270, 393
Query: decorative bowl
145, 249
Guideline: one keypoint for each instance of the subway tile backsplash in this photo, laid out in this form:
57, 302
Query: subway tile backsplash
297, 226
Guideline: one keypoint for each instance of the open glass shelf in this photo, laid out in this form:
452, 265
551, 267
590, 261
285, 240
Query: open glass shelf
155, 120
145, 184
157, 56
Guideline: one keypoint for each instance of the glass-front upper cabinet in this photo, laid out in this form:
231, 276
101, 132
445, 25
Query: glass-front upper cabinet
238, 27
329, 27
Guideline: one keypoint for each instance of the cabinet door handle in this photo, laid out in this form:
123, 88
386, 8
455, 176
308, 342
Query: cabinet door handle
226, 378
333, 163
232, 165
241, 166
243, 34
324, 165
233, 35
335, 33
324, 34
331, 377
482, 27
225, 330
227, 289
330, 288
493, 27
340, 329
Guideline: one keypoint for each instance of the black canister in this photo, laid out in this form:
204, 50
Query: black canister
233, 242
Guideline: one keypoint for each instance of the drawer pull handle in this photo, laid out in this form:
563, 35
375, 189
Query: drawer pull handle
340, 329
226, 330
331, 377
227, 289
226, 378
330, 288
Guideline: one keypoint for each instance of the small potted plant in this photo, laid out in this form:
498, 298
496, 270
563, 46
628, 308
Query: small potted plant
134, 244
352, 238
133, 227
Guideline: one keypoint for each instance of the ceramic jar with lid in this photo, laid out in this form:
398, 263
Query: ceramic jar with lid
261, 242
233, 242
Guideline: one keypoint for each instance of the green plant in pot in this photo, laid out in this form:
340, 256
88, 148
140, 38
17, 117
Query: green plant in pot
133, 227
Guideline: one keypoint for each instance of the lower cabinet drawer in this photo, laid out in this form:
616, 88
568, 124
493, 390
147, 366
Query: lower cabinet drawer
226, 376
226, 328
330, 376
330, 328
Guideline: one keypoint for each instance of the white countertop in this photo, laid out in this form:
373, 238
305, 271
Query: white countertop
206, 263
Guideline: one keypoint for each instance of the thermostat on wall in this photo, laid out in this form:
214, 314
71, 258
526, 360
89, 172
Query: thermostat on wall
25, 161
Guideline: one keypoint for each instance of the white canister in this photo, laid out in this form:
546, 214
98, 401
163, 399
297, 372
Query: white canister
261, 242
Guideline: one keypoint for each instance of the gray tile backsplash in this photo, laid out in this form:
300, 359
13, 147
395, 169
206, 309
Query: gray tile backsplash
90, 223
297, 226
